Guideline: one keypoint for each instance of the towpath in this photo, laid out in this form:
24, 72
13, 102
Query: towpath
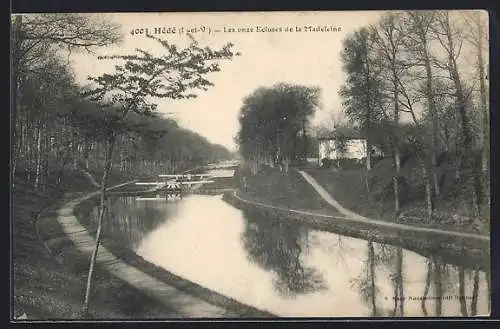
350, 215
187, 305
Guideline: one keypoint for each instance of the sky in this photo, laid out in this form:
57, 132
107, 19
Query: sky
300, 57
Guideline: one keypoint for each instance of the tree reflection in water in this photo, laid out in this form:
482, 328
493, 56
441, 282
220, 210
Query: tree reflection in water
426, 287
442, 283
448, 283
397, 278
277, 246
475, 293
461, 291
488, 283
365, 283
128, 221
341, 250
391, 257
445, 278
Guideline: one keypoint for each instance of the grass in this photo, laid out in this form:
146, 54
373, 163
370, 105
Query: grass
461, 252
348, 187
50, 285
452, 210
288, 190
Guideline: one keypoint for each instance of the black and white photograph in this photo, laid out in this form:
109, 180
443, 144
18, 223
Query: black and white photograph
250, 165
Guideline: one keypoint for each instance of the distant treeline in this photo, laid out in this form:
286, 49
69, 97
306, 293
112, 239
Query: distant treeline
55, 128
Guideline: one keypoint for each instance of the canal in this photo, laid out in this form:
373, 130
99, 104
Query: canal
288, 269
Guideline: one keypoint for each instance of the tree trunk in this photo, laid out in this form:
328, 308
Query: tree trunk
461, 291
395, 180
475, 200
484, 109
397, 156
458, 161
368, 123
422, 34
14, 87
428, 191
438, 284
76, 153
371, 259
426, 288
435, 125
488, 283
368, 168
396, 297
86, 151
38, 165
29, 154
400, 281
475, 291
46, 153
367, 184
461, 101
102, 210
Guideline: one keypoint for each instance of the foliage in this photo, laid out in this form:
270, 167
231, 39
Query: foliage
406, 90
276, 120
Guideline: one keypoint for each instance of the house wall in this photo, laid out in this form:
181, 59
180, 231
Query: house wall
355, 149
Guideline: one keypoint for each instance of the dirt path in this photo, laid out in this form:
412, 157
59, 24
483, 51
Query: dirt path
356, 217
187, 305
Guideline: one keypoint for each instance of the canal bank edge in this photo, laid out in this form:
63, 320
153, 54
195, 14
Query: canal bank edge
111, 255
458, 250
128, 256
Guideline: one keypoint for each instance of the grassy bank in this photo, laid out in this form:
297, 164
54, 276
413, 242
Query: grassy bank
290, 191
49, 285
287, 190
469, 253
452, 210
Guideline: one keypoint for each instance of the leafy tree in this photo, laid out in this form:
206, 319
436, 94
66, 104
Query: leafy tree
362, 92
133, 87
274, 121
37, 39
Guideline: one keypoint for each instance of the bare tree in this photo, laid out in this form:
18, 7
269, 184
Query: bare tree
478, 36
389, 41
448, 32
418, 42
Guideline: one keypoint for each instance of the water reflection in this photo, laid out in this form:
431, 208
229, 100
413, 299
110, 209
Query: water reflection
289, 270
447, 288
220, 173
365, 282
279, 247
128, 220
475, 292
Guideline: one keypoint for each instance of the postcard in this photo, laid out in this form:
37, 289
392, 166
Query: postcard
250, 165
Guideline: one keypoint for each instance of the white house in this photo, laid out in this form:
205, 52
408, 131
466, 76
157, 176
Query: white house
355, 148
